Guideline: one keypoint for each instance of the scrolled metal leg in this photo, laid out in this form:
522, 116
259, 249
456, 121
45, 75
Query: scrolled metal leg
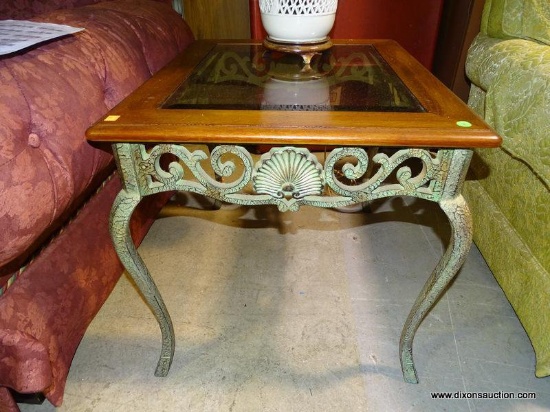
119, 225
459, 216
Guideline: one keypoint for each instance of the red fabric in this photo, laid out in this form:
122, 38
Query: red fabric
25, 360
48, 101
7, 404
50, 95
44, 315
162, 34
48, 163
24, 9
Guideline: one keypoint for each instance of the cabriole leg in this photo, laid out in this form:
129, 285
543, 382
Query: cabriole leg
119, 225
459, 216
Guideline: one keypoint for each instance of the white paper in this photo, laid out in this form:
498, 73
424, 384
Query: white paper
18, 34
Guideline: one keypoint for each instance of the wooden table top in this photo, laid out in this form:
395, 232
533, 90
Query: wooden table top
443, 121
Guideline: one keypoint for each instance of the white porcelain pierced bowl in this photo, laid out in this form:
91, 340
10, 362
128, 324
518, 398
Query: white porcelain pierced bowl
298, 21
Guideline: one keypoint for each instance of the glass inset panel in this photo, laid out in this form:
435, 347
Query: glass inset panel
249, 77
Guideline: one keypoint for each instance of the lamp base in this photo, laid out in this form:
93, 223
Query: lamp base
306, 49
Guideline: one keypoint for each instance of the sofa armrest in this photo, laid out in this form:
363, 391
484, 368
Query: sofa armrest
515, 78
524, 19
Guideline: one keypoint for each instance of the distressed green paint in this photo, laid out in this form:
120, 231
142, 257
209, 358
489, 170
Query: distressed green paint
289, 178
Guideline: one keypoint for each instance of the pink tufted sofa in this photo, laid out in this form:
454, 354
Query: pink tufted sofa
57, 264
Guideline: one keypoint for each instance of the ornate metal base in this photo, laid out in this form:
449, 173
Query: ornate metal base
290, 177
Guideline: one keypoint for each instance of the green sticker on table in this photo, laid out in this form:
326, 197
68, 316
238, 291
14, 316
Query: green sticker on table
463, 123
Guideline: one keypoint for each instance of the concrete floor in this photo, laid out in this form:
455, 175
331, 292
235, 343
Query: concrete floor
302, 312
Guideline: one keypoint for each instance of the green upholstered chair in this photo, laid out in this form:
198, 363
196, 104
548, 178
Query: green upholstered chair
509, 66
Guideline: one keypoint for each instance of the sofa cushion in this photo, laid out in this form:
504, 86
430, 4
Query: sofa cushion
24, 9
528, 19
44, 163
159, 42
515, 76
50, 96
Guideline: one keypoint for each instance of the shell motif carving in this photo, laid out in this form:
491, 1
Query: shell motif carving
288, 172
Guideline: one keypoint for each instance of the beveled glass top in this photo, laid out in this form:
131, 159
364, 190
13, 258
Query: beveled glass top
249, 77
